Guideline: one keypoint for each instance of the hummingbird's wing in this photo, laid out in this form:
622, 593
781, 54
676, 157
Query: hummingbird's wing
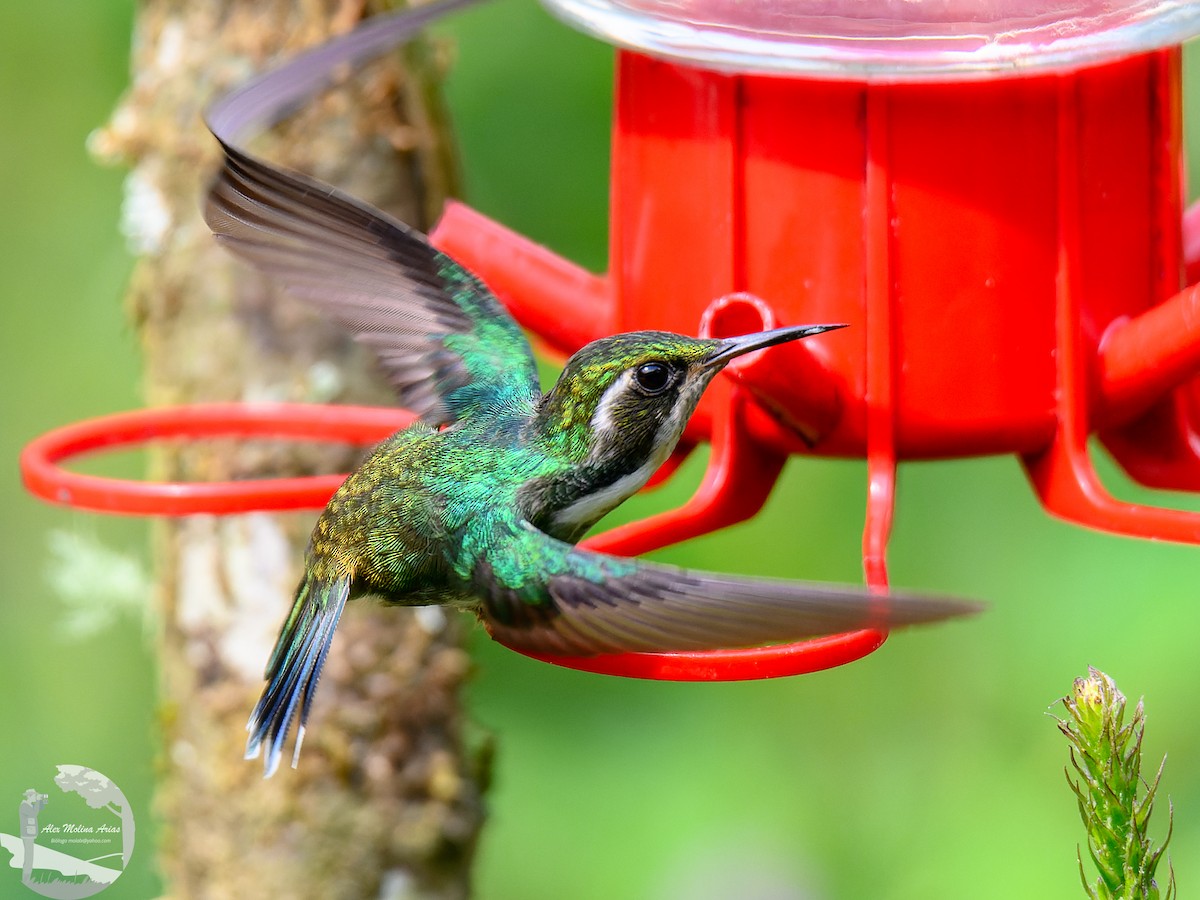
446, 343
589, 603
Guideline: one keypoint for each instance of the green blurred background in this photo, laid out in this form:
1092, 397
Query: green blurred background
930, 769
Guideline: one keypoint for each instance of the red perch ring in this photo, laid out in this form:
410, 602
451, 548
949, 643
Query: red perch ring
44, 476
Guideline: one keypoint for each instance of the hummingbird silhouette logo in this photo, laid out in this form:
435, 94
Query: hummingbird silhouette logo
479, 504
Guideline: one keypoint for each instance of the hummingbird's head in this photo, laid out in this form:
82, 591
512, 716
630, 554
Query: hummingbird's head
616, 413
629, 396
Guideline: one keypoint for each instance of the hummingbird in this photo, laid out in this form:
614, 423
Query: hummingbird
479, 503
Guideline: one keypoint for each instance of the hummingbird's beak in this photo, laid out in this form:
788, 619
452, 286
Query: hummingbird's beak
747, 343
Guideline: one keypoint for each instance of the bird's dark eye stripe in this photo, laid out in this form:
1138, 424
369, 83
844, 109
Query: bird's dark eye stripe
652, 377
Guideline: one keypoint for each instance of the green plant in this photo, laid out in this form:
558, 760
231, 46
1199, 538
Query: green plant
1106, 754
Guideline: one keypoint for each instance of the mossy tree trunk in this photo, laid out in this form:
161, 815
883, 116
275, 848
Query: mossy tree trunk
386, 800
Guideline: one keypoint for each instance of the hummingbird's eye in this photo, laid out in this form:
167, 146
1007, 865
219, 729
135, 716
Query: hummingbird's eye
652, 377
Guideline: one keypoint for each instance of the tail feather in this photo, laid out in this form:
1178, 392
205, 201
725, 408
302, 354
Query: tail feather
295, 668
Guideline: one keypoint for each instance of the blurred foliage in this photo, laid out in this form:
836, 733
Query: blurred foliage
923, 771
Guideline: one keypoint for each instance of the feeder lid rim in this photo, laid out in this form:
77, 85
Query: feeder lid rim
885, 40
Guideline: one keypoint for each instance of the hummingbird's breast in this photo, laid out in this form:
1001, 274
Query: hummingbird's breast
571, 499
601, 497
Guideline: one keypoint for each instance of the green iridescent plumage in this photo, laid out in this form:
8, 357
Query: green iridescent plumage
480, 504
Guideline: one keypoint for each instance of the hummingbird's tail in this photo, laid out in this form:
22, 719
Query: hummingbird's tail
295, 667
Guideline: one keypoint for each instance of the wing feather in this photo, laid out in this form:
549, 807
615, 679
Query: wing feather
591, 603
446, 343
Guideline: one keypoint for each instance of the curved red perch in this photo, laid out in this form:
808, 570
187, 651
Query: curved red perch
44, 476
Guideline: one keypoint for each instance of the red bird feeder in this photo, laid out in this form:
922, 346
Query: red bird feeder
993, 203
991, 197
